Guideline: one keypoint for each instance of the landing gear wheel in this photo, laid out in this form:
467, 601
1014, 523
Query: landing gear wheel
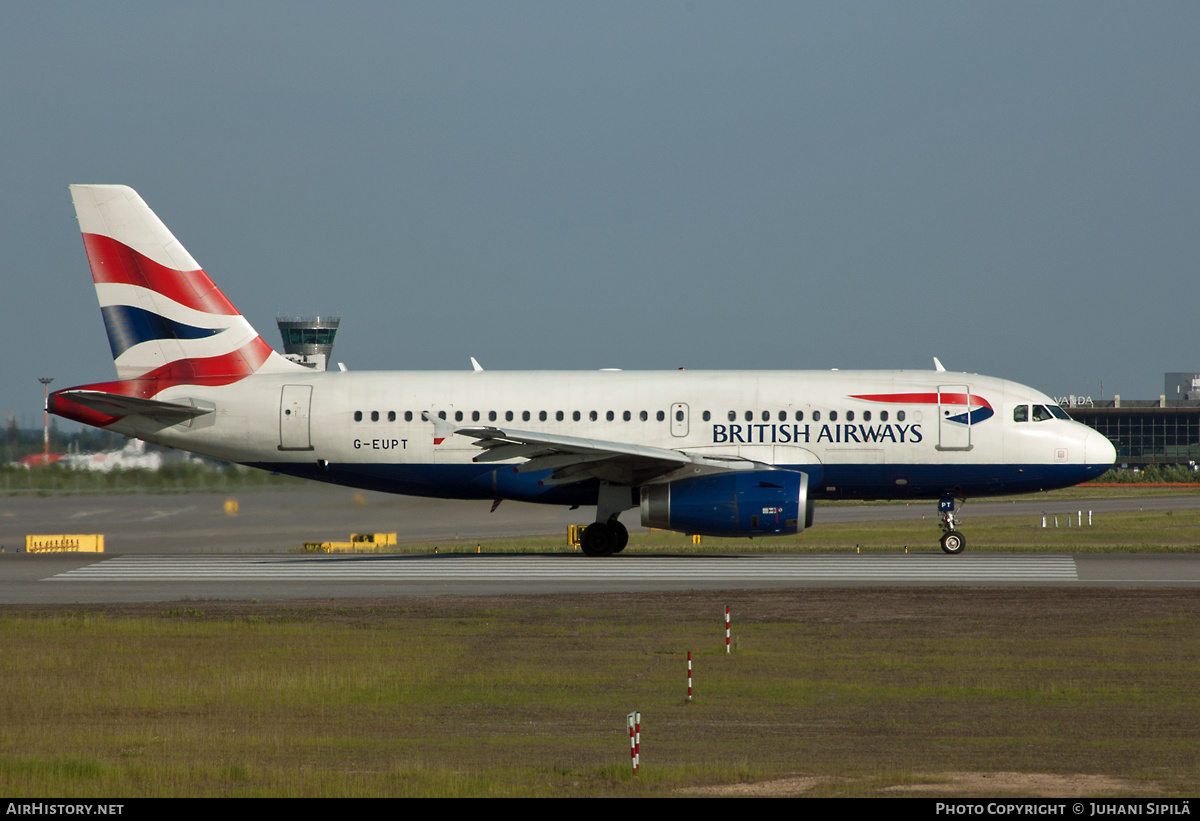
599, 539
953, 542
622, 535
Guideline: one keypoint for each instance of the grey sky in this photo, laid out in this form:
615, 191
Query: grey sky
1012, 187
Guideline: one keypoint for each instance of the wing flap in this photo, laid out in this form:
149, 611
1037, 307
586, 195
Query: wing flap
501, 452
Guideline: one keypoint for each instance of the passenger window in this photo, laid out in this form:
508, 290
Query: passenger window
474, 416
816, 416
733, 416
783, 416
541, 416
799, 416
707, 416
866, 416
883, 416
645, 417
441, 415
849, 416
458, 416
1021, 413
558, 416
408, 416
524, 416
833, 416
374, 416
678, 416
508, 416
593, 416
575, 416
749, 416
660, 416
358, 416
627, 416
610, 416
899, 416
491, 416
766, 416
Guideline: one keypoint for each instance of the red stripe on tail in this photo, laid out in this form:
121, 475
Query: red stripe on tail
115, 262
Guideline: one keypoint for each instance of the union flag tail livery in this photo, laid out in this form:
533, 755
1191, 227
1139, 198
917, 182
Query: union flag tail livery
166, 320
723, 453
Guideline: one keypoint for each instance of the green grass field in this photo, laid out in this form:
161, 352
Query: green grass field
842, 692
55, 480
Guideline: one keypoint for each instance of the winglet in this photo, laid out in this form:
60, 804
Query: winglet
442, 429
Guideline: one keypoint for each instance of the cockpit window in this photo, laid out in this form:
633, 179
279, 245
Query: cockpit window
1041, 413
1059, 412
1021, 413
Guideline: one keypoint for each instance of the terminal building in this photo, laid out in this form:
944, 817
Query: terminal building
1163, 431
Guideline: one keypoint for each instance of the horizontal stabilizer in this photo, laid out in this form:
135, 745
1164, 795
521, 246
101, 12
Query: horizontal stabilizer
115, 404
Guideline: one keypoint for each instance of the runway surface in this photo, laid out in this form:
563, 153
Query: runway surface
77, 579
171, 548
680, 570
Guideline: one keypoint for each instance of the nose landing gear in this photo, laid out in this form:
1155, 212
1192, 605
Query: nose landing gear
952, 541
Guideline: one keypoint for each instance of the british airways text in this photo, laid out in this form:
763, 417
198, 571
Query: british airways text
834, 434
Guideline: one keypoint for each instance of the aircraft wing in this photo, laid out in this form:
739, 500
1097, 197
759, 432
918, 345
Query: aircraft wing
115, 404
574, 458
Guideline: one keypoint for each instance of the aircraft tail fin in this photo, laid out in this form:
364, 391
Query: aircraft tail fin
165, 318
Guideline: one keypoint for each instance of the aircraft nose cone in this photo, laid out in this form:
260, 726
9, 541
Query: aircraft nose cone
1097, 450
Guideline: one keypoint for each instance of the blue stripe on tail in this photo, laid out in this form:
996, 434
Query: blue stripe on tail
128, 326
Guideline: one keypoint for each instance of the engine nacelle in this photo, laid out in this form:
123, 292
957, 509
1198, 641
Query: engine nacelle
733, 503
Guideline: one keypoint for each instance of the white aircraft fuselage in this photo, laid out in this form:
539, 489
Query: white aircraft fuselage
367, 429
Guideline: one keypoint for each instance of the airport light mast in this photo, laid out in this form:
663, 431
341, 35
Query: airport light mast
46, 380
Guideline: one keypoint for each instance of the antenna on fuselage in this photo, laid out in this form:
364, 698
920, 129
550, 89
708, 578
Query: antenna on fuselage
475, 364
937, 365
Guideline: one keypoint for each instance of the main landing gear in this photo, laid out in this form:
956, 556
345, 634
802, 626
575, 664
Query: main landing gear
953, 542
607, 536
604, 538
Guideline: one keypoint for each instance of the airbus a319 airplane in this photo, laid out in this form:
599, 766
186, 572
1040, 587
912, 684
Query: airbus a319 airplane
737, 453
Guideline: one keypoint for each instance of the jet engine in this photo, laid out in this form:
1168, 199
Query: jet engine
731, 503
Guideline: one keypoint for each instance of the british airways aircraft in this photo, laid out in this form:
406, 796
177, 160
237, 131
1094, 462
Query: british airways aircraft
723, 453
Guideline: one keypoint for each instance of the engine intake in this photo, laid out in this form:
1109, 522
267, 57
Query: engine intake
735, 503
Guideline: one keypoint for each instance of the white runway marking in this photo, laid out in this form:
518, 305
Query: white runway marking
913, 567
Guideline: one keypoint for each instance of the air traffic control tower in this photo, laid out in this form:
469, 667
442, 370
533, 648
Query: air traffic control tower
309, 339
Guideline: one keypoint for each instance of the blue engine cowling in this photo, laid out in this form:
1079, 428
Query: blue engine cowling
735, 503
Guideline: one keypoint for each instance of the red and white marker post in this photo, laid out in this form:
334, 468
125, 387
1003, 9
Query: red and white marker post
726, 629
689, 675
634, 722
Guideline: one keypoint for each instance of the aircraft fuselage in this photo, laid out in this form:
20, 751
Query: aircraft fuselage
365, 429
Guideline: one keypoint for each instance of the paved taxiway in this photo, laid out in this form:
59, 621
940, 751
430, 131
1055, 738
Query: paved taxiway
164, 548
275, 522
